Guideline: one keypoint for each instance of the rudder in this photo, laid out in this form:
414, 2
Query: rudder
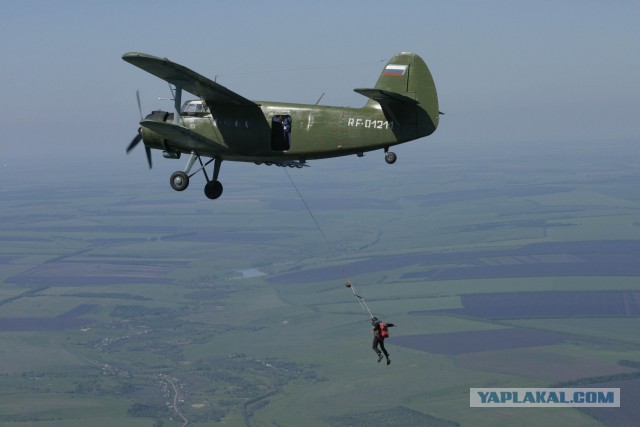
406, 74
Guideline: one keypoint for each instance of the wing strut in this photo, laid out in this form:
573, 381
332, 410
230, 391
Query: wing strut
177, 102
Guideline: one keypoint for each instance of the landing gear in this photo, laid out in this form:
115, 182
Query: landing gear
213, 189
179, 181
389, 156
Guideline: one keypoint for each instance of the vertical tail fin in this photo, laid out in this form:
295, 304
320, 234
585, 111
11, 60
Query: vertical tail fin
407, 92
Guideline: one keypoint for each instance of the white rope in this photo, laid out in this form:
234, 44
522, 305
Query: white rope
360, 299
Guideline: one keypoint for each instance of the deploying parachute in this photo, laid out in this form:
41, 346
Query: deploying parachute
360, 299
380, 329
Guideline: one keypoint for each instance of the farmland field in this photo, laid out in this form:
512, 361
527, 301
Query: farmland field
126, 304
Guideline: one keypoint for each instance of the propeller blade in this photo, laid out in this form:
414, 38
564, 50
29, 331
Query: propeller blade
134, 142
139, 104
148, 151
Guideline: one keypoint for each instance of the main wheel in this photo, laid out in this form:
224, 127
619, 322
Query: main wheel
390, 157
213, 189
179, 181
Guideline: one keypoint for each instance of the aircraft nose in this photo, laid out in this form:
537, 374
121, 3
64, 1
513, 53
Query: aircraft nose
151, 139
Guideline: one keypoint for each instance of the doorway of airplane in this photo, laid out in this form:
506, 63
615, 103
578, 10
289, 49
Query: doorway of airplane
281, 132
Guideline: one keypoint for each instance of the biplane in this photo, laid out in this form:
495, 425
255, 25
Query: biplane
222, 125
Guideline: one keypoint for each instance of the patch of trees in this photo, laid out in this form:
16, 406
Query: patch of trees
144, 410
114, 295
629, 364
599, 380
133, 311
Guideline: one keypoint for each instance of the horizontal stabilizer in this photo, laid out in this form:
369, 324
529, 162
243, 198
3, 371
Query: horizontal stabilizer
383, 96
185, 78
173, 132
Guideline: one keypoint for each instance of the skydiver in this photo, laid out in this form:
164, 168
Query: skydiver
380, 332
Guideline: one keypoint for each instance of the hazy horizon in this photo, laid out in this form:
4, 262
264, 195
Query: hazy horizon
506, 72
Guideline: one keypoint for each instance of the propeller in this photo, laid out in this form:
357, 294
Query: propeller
136, 139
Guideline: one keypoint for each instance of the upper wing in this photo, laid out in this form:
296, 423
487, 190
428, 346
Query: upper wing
189, 80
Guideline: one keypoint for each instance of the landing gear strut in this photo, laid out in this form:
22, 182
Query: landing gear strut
180, 180
213, 189
389, 156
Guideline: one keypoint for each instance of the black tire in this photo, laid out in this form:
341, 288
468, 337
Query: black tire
213, 189
390, 157
179, 181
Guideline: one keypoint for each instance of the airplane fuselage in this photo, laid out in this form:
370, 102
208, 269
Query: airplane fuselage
315, 132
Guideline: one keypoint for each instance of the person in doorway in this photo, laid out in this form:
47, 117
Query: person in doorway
286, 130
380, 332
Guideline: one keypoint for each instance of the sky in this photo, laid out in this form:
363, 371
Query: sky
507, 72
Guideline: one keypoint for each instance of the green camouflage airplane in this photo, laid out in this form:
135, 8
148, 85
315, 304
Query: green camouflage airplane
222, 125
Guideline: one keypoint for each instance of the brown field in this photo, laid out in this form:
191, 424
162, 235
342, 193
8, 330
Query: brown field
69, 320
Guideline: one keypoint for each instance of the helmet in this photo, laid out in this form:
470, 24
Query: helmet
374, 320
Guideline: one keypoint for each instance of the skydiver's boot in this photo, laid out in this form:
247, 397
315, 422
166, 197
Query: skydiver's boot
388, 361
379, 357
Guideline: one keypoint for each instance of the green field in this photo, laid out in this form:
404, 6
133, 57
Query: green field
235, 311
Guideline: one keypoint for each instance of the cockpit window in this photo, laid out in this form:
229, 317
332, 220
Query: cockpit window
194, 108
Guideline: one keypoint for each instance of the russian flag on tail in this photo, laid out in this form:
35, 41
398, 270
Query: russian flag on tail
395, 70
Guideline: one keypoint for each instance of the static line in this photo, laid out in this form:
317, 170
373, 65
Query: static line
348, 284
310, 213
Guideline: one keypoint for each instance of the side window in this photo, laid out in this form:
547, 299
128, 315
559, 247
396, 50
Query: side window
281, 132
